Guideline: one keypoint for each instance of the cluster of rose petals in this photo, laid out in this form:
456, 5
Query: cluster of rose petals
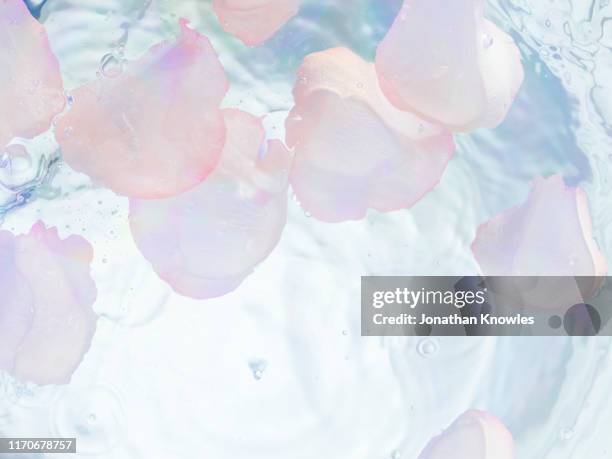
444, 60
206, 241
474, 435
156, 130
46, 316
31, 88
354, 151
550, 234
254, 21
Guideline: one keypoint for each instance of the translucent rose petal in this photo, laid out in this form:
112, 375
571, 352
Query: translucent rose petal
445, 61
254, 21
156, 130
353, 149
207, 240
474, 435
31, 90
46, 316
549, 234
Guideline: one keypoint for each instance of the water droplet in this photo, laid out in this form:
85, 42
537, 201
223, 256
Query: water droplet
110, 66
566, 433
427, 347
94, 414
487, 41
258, 367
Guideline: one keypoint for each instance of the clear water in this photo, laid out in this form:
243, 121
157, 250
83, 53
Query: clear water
277, 369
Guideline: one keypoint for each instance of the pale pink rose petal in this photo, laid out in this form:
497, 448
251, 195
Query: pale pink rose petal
550, 234
254, 21
156, 130
46, 316
474, 435
31, 89
353, 149
447, 62
205, 242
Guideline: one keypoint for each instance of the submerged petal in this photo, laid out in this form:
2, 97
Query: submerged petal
447, 62
353, 149
46, 316
550, 234
156, 130
474, 435
205, 242
31, 89
254, 21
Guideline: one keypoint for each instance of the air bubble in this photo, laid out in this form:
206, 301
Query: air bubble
94, 414
110, 66
566, 433
427, 347
257, 368
487, 41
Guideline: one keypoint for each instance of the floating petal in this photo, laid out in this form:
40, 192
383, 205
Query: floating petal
155, 130
46, 316
254, 21
550, 234
353, 149
474, 435
31, 89
205, 242
447, 62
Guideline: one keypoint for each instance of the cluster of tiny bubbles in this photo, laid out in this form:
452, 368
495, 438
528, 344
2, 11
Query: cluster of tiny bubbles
427, 347
257, 367
94, 415
25, 394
